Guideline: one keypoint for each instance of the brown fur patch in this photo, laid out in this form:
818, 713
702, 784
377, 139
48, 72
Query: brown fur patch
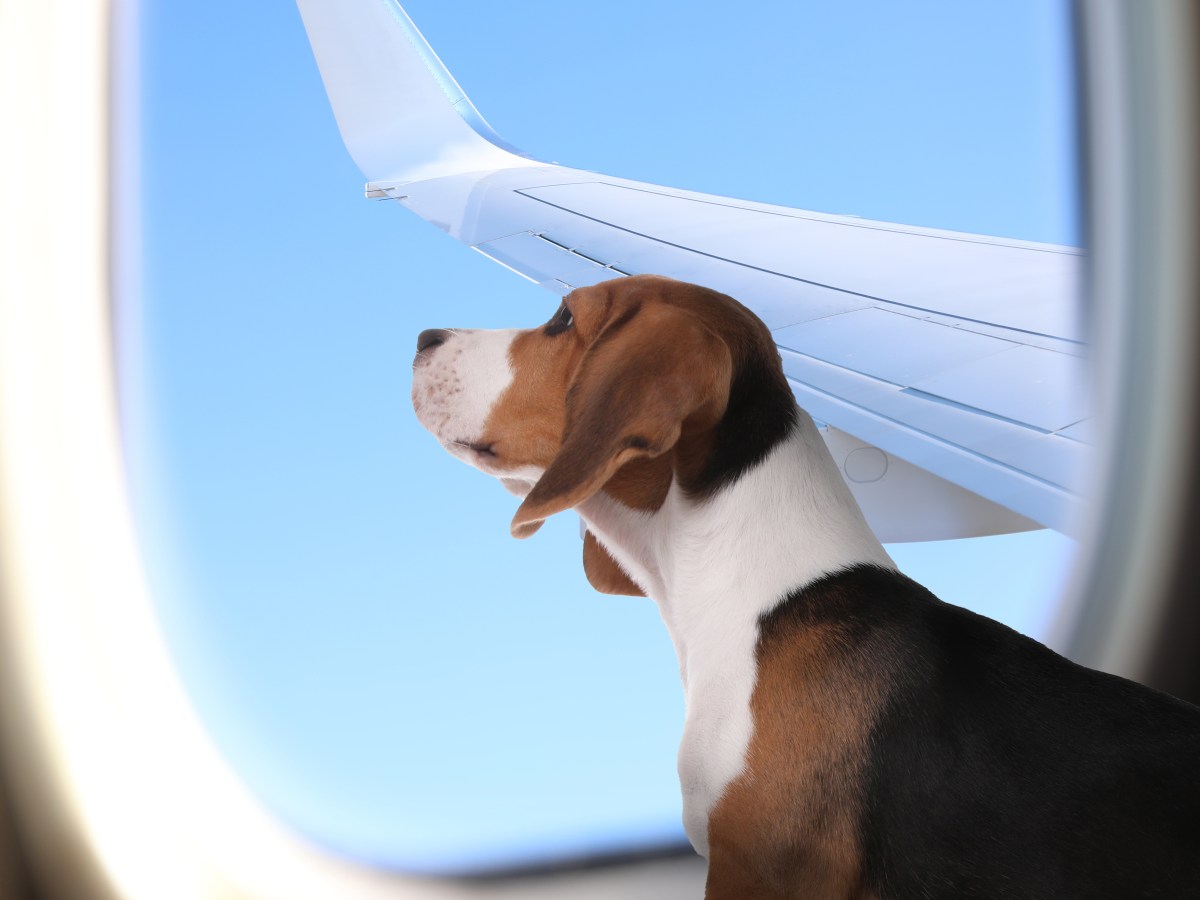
635, 394
652, 372
603, 572
648, 360
525, 426
788, 827
642, 484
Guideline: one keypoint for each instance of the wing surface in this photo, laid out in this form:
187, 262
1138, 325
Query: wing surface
948, 368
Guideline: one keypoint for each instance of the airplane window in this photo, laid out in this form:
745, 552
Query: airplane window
388, 670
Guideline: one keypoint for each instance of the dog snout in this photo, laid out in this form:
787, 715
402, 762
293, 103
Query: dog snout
432, 337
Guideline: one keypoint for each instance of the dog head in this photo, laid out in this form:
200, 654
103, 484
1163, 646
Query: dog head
632, 384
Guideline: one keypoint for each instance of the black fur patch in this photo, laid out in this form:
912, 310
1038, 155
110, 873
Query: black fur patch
997, 768
760, 416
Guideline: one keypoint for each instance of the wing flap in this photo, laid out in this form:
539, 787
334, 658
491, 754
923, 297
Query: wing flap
1009, 283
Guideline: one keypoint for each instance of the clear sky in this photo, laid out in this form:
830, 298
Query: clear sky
388, 669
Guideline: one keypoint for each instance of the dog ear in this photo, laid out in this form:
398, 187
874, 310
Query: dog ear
602, 570
630, 399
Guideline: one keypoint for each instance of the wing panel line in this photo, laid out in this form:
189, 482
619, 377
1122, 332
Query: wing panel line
788, 213
795, 278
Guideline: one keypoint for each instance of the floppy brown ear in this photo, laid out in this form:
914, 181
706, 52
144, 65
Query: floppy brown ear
630, 398
602, 570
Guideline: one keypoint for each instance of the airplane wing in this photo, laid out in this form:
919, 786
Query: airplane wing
947, 369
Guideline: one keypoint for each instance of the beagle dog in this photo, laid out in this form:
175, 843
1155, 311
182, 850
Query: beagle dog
847, 734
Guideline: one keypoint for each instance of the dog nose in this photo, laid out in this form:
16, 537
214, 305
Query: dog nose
431, 337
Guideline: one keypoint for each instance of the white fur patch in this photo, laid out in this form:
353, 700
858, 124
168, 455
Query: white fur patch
456, 385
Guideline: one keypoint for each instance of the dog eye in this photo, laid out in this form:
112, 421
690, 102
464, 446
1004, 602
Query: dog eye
561, 322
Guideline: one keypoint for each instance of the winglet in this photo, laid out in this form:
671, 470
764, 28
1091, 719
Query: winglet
401, 114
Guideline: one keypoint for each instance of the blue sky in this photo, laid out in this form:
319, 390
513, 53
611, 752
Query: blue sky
388, 669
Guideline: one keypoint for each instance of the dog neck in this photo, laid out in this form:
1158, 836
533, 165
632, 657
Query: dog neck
714, 566
782, 525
